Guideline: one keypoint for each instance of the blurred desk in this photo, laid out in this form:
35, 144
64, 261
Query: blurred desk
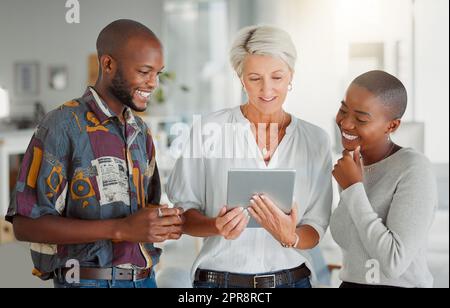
11, 143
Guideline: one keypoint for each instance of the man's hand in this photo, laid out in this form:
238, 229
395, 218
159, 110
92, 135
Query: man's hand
148, 226
231, 225
348, 169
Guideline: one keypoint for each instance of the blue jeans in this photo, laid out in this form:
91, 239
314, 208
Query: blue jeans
146, 283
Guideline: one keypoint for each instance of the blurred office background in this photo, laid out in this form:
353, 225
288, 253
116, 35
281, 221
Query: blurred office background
45, 61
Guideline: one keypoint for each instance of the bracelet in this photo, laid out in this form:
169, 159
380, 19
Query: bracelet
297, 239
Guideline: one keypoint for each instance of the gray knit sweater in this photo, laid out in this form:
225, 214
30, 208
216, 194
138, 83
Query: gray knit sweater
384, 222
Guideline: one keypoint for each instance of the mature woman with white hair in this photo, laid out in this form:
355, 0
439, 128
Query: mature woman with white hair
232, 255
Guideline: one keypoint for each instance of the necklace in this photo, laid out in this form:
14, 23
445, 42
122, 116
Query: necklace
391, 150
266, 149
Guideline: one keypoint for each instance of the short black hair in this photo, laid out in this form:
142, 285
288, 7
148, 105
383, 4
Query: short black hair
389, 89
115, 36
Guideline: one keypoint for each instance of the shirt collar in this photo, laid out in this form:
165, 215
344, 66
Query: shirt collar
242, 119
101, 104
103, 112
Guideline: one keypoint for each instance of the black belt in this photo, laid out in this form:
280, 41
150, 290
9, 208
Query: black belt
271, 280
107, 273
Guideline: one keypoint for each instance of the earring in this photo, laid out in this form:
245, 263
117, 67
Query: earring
290, 87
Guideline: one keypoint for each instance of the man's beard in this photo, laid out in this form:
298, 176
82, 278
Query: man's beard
120, 89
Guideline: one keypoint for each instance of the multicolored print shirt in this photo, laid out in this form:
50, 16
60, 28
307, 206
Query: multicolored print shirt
83, 163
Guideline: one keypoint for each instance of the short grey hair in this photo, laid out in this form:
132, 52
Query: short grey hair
264, 41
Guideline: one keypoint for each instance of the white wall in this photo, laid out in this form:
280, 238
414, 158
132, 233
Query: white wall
432, 71
317, 86
322, 31
37, 31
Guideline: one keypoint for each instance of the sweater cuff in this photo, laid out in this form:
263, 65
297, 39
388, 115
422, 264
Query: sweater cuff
355, 198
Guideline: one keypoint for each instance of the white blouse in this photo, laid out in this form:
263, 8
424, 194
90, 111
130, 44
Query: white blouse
200, 182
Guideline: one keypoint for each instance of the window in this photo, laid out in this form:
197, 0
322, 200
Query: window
196, 47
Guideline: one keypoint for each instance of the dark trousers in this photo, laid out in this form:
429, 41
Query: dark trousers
351, 285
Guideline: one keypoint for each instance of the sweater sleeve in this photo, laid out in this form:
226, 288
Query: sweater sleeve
339, 225
395, 243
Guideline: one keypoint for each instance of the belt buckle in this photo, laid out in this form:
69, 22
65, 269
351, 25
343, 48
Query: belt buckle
255, 280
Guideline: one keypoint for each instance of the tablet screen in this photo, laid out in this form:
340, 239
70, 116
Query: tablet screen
277, 184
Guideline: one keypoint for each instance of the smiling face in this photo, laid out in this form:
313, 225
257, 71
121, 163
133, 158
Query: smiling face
364, 121
266, 80
136, 73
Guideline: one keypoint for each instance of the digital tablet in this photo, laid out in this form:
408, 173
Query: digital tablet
277, 184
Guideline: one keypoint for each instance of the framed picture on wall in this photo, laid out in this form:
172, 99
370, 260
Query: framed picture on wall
92, 69
26, 78
57, 77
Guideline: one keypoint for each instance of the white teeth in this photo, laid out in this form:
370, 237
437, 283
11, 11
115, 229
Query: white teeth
144, 94
349, 137
268, 99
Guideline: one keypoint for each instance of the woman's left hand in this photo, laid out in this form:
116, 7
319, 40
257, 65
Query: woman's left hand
348, 169
281, 226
